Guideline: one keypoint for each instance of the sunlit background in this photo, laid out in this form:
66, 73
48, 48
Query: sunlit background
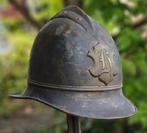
20, 20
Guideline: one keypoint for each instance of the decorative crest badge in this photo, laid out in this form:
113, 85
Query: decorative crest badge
103, 63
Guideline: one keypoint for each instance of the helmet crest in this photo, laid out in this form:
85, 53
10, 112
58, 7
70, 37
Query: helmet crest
76, 15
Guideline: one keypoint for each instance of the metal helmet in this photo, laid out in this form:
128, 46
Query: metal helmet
75, 67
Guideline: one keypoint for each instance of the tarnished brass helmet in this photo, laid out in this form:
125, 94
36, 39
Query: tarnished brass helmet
75, 67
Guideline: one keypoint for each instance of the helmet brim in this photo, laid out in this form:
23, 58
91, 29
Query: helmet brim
98, 105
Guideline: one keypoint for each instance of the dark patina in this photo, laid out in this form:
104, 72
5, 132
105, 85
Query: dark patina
75, 67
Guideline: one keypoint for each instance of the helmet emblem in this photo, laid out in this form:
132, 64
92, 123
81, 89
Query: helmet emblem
103, 64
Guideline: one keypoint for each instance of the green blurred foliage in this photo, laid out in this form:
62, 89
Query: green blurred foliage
116, 16
47, 9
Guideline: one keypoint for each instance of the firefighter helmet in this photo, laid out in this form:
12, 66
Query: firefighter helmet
75, 67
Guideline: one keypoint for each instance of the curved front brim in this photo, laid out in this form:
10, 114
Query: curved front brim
97, 105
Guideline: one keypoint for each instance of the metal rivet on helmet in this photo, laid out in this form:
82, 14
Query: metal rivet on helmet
75, 67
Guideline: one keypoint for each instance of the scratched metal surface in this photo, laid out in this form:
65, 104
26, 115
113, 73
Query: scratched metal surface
75, 67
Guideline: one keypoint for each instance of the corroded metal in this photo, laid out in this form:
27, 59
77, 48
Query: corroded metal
104, 66
75, 67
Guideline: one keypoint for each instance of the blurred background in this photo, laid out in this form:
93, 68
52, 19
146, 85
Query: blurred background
20, 20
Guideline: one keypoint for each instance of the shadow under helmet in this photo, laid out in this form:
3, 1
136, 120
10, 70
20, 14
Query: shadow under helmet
75, 67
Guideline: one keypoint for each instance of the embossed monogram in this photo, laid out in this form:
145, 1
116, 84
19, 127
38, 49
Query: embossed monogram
103, 67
